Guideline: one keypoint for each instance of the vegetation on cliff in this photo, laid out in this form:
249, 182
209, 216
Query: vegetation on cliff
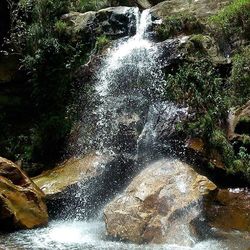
211, 88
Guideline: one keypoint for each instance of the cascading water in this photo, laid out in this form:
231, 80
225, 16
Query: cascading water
129, 80
128, 86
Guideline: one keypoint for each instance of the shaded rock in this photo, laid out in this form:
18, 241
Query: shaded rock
239, 125
198, 146
21, 201
229, 210
162, 199
199, 8
159, 134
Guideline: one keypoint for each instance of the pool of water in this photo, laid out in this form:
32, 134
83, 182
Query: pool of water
91, 235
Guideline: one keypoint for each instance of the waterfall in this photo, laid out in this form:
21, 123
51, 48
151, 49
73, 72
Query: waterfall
129, 80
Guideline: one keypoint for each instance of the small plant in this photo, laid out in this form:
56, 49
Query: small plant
101, 42
61, 27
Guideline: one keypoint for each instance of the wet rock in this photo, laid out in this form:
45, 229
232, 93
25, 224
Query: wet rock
113, 22
200, 8
55, 183
159, 134
229, 210
79, 186
162, 199
21, 201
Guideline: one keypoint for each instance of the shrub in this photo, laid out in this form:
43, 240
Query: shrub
233, 20
240, 77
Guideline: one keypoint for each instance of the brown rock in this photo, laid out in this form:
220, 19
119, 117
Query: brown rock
163, 198
230, 210
56, 182
21, 201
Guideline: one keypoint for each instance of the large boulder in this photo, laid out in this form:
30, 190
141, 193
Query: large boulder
161, 200
21, 201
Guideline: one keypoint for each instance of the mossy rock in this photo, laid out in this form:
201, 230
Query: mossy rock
201, 46
202, 8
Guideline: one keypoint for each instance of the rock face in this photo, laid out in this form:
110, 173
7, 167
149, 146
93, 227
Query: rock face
113, 22
162, 199
21, 201
55, 183
199, 8
229, 210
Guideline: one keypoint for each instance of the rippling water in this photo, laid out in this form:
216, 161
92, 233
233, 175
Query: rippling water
91, 235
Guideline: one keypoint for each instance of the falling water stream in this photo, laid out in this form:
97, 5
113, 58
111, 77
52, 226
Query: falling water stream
128, 87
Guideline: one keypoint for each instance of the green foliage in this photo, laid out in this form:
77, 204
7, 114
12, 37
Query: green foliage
220, 143
242, 164
61, 27
240, 77
178, 24
233, 20
88, 5
199, 86
49, 58
101, 42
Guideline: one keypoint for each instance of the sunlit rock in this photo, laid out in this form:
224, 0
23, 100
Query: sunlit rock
21, 201
55, 183
160, 201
